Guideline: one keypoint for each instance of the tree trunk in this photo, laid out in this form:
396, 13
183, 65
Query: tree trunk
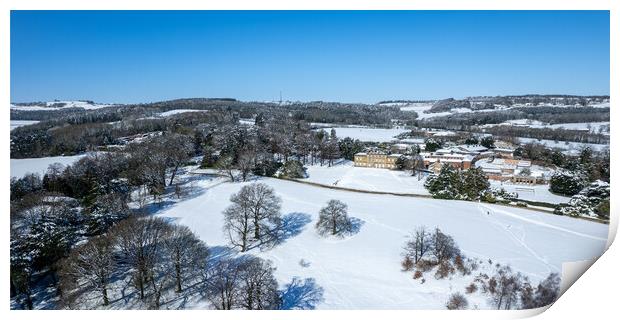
174, 173
177, 266
104, 292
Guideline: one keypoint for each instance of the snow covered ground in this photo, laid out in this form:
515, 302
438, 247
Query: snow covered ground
367, 134
345, 175
590, 126
538, 193
46, 106
178, 111
21, 123
20, 167
363, 271
567, 146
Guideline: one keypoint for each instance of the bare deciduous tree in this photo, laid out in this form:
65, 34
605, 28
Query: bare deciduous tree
187, 254
91, 263
254, 212
333, 219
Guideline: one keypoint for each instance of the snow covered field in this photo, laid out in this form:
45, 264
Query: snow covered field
367, 134
538, 193
20, 167
178, 111
363, 271
590, 126
347, 176
21, 123
67, 104
570, 147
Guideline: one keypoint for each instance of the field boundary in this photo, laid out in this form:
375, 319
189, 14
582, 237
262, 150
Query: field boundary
417, 195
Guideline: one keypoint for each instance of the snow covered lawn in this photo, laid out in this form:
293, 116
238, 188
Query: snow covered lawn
347, 176
363, 271
20, 167
539, 192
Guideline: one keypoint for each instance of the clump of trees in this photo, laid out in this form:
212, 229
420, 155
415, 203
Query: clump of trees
334, 220
567, 183
592, 201
507, 289
450, 183
425, 249
243, 283
253, 216
293, 169
157, 255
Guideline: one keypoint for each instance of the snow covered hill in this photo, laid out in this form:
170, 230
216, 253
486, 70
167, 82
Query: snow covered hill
58, 105
363, 271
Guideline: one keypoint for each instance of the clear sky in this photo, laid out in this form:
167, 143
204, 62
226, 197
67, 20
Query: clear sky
350, 56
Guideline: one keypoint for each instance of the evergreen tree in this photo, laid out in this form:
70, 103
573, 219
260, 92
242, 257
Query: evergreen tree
475, 183
445, 184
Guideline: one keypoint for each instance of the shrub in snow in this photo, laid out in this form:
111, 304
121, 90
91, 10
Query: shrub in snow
457, 301
471, 288
407, 264
293, 169
432, 145
444, 269
592, 201
567, 182
502, 194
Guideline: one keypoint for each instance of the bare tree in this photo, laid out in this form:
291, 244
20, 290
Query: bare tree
223, 284
418, 245
237, 223
225, 166
187, 254
246, 162
443, 246
505, 287
258, 287
333, 219
179, 149
139, 241
92, 263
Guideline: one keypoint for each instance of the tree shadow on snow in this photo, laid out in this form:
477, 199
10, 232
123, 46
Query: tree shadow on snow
301, 294
291, 225
354, 227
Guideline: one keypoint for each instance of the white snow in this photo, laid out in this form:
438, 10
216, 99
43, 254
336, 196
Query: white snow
590, 126
569, 147
178, 111
21, 123
363, 271
345, 175
47, 106
20, 167
539, 192
585, 126
367, 134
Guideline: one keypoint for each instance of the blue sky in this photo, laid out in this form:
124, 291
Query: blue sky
348, 56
